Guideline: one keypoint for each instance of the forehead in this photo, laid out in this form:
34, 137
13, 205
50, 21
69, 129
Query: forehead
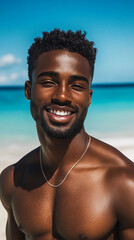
62, 61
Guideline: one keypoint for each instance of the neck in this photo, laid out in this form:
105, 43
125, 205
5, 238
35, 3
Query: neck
60, 152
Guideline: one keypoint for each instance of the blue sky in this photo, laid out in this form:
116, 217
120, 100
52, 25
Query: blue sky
110, 24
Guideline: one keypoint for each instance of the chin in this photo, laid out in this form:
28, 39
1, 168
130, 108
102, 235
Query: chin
61, 132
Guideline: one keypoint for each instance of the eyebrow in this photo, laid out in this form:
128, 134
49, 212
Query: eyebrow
50, 73
56, 74
79, 77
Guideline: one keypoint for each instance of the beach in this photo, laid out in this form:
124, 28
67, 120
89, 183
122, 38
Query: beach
14, 151
110, 118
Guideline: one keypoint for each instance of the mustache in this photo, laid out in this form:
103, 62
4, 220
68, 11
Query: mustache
34, 107
61, 104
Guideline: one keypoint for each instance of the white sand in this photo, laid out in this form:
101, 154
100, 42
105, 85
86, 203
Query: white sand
11, 152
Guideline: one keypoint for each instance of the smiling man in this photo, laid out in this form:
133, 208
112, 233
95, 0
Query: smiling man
72, 186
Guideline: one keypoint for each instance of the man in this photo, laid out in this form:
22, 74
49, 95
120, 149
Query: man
73, 186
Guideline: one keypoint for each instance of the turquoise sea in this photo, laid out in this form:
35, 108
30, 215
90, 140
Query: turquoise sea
111, 113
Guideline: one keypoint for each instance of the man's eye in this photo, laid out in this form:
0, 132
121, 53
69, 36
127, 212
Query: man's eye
48, 83
77, 87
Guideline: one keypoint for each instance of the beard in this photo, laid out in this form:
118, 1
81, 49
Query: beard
57, 131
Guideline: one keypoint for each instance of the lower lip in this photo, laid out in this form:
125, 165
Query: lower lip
59, 119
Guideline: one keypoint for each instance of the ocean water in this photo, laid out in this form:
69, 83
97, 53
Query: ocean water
111, 113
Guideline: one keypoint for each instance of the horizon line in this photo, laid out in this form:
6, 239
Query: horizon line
118, 84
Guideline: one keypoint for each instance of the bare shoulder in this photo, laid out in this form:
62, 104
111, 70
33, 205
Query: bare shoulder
7, 184
119, 179
109, 155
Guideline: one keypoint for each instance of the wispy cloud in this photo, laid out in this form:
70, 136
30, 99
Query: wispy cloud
13, 77
3, 78
9, 60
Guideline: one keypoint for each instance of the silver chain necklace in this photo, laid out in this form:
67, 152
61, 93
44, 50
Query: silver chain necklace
55, 186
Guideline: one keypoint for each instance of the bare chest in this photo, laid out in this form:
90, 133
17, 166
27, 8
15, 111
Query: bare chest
76, 210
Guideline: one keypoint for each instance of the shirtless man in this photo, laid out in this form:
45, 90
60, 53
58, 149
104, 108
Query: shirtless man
73, 186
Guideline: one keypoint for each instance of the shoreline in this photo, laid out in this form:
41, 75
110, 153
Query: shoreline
12, 150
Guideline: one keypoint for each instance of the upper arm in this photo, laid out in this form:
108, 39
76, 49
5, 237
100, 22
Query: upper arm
6, 188
12, 230
127, 234
125, 206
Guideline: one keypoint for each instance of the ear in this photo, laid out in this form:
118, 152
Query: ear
28, 90
90, 97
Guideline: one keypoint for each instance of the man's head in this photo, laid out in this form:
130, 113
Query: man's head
55, 40
60, 78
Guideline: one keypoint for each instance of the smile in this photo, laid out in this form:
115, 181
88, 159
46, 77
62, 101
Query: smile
60, 113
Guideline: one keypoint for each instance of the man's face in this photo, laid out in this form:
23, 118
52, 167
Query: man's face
60, 92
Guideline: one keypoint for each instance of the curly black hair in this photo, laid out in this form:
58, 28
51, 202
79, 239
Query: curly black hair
57, 39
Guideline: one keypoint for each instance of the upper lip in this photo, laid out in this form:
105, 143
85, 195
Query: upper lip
60, 108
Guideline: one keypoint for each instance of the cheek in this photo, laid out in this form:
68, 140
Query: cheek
82, 99
35, 92
40, 95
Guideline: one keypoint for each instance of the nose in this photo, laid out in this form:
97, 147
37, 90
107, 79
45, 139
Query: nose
62, 95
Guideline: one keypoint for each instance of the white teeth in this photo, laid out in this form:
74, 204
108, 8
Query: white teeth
60, 113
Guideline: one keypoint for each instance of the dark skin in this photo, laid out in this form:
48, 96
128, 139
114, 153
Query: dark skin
96, 201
